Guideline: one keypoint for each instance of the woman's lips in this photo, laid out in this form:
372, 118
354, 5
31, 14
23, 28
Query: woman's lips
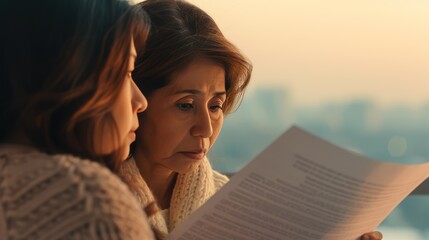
195, 155
132, 135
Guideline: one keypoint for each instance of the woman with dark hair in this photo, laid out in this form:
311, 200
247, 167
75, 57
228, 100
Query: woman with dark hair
192, 76
67, 95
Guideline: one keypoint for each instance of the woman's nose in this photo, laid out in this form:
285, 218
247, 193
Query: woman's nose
203, 125
139, 100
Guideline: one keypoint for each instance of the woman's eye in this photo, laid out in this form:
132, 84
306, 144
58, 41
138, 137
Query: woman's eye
185, 106
215, 108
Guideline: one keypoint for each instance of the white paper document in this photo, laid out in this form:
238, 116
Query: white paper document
302, 187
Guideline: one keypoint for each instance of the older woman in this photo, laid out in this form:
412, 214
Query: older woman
192, 76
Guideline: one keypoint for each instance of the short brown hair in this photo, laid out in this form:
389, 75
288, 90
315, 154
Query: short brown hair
62, 65
181, 33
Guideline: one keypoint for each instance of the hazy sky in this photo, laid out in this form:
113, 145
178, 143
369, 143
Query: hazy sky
332, 49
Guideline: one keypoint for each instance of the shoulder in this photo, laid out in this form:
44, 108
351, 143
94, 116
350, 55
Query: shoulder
54, 196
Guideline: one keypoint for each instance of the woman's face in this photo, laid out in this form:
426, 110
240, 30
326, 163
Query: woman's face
130, 101
184, 118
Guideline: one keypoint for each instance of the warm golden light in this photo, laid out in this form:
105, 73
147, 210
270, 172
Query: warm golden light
334, 49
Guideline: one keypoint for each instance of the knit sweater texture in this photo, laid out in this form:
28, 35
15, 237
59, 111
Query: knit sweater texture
63, 197
190, 192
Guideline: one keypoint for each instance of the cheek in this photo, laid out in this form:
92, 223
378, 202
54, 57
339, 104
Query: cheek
168, 135
156, 133
123, 118
172, 133
105, 139
123, 127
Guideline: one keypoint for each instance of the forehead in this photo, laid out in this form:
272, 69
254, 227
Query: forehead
201, 73
133, 51
133, 54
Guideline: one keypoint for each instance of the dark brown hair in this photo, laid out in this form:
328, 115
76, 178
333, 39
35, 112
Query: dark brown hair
62, 66
181, 33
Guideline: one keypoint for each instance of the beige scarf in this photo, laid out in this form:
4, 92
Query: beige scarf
190, 192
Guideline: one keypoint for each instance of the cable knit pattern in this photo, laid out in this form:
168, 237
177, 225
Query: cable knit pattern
63, 197
190, 192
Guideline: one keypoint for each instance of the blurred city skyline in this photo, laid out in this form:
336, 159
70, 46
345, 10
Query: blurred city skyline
395, 134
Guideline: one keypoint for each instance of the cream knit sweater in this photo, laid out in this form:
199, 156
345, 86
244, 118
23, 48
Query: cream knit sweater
63, 197
190, 192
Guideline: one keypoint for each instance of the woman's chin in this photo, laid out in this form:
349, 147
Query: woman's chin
125, 154
190, 167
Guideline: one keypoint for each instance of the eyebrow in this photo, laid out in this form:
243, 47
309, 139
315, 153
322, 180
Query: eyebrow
195, 91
